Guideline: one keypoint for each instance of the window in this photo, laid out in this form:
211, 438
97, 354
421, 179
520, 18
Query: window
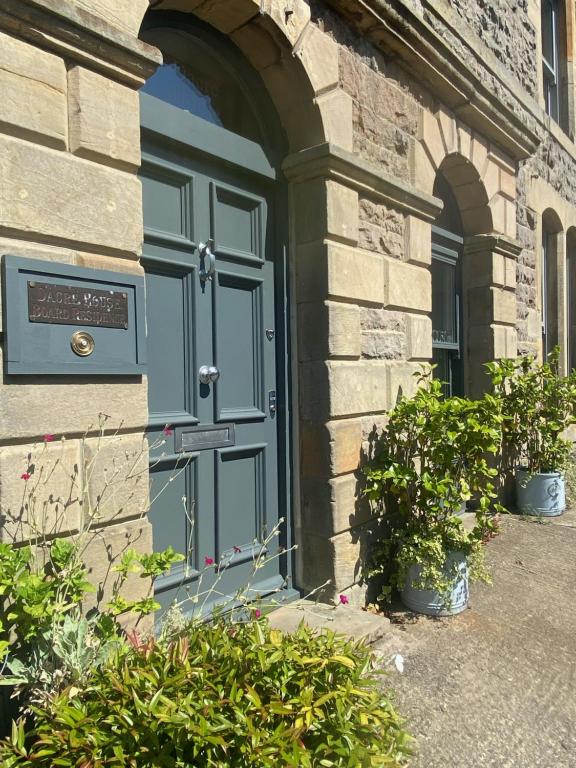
447, 244
197, 78
554, 59
571, 308
549, 292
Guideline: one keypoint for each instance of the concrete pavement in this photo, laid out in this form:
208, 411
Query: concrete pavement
496, 686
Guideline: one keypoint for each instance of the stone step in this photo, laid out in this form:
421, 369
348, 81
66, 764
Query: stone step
349, 621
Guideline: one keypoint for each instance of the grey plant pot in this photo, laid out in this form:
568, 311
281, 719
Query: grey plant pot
542, 494
432, 603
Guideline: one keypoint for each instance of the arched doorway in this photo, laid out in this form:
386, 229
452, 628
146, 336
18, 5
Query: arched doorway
214, 254
447, 316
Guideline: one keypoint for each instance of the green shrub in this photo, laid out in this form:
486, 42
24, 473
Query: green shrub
537, 405
431, 458
228, 695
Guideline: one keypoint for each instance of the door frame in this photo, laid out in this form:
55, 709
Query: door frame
205, 140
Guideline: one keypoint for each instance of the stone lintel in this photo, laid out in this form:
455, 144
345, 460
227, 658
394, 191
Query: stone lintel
393, 25
328, 161
494, 243
76, 34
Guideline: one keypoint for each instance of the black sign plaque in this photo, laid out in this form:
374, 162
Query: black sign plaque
59, 304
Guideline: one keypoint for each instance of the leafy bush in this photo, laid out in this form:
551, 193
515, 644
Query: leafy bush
220, 695
431, 458
45, 640
537, 405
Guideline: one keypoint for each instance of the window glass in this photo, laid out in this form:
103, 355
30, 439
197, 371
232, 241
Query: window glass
549, 293
444, 304
171, 84
195, 78
548, 41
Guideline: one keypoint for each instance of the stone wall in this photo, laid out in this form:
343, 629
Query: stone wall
506, 29
69, 155
371, 117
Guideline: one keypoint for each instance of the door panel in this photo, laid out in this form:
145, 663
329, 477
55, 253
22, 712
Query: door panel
239, 222
170, 298
220, 500
238, 347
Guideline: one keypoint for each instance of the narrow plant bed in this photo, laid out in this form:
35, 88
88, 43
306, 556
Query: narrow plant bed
220, 695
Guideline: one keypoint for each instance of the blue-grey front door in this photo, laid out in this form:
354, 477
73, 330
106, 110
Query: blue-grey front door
210, 256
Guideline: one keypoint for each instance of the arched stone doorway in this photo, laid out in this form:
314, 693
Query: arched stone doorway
215, 255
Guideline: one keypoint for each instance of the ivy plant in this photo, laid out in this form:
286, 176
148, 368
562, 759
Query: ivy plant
432, 457
537, 406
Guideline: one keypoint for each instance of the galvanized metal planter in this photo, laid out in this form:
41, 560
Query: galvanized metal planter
542, 494
433, 603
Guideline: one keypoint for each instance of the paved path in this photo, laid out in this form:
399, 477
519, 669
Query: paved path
496, 686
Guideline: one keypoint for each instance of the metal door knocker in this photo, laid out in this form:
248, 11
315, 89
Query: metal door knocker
208, 260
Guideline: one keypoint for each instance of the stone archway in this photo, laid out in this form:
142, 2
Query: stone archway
299, 66
483, 181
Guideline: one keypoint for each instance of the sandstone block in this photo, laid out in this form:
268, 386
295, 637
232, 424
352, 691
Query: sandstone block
126, 16
357, 387
104, 548
407, 286
419, 337
355, 275
422, 168
431, 138
402, 382
484, 268
226, 15
48, 193
334, 506
342, 388
534, 326
33, 88
48, 502
324, 209
480, 150
74, 406
104, 119
504, 306
330, 449
116, 472
491, 179
417, 241
448, 127
493, 305
505, 342
291, 16
336, 330
508, 183
510, 273
336, 560
336, 108
319, 55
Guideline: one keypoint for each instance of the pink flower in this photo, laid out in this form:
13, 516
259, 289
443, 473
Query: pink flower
49, 438
257, 613
208, 560
344, 600
167, 431
237, 549
25, 476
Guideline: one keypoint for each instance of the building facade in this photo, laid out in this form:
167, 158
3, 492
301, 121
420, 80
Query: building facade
318, 198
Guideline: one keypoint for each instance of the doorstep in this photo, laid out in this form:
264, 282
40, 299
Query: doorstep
353, 623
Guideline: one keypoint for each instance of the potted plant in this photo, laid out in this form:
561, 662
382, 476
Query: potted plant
431, 457
537, 407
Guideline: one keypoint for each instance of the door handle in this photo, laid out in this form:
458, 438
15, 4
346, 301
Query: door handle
207, 271
208, 374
